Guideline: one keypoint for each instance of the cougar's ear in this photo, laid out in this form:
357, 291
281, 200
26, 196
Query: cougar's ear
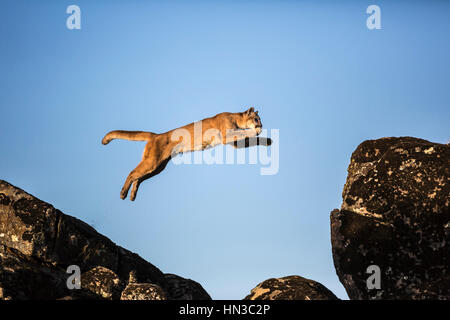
249, 111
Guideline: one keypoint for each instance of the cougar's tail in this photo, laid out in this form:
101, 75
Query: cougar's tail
127, 135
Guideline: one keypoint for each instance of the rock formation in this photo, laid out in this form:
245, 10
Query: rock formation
290, 288
38, 243
395, 215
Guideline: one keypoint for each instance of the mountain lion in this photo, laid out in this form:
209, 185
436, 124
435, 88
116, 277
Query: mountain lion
238, 129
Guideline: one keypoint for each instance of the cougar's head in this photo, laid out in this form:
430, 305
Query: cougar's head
252, 120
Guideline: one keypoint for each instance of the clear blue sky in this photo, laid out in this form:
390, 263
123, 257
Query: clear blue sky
314, 71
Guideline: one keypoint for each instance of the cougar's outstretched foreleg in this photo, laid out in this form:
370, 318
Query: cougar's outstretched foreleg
232, 136
251, 142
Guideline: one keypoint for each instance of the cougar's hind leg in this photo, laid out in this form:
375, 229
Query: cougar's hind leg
126, 186
134, 189
134, 175
156, 169
154, 160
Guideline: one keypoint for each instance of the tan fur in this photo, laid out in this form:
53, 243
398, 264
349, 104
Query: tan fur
224, 128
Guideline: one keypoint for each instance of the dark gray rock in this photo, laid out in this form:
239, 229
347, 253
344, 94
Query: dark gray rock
23, 278
290, 288
395, 214
39, 242
185, 289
